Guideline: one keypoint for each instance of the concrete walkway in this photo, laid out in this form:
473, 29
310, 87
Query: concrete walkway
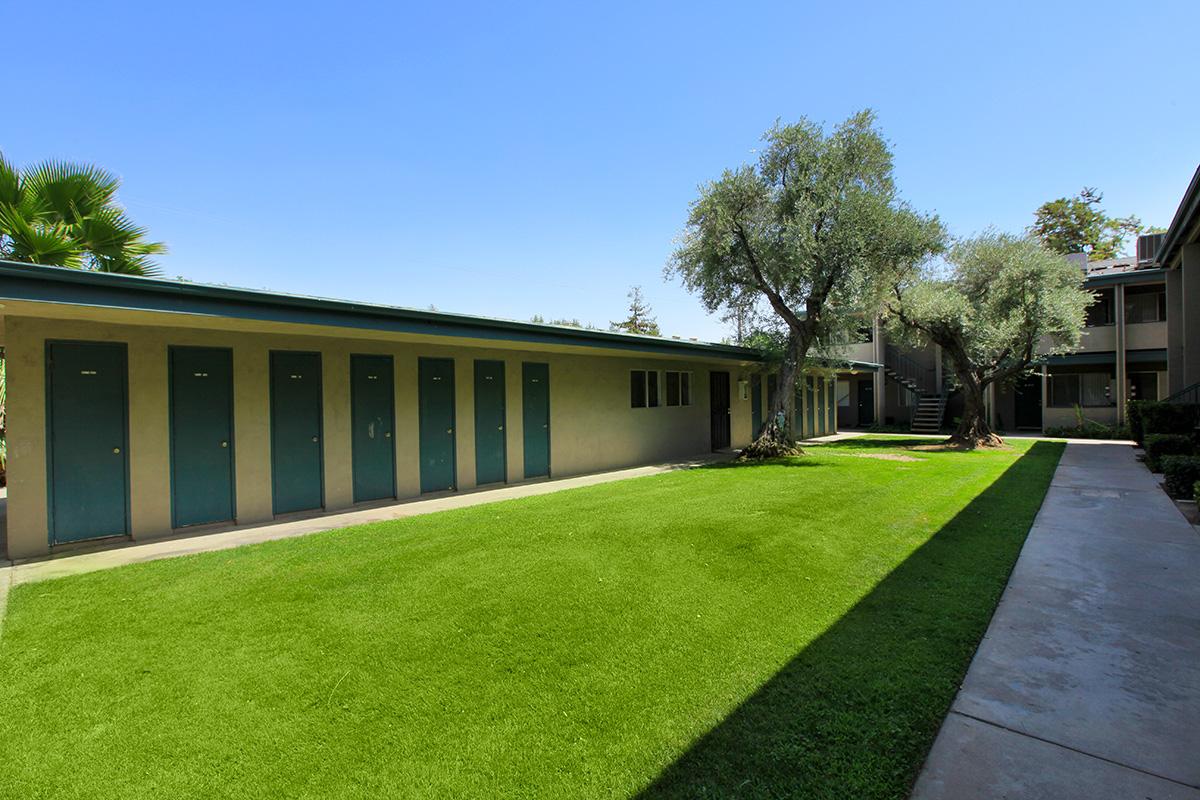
1087, 683
115, 555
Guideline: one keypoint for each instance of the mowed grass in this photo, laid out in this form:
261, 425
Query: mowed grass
790, 629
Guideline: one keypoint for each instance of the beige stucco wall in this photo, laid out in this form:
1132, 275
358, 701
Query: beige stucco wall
592, 425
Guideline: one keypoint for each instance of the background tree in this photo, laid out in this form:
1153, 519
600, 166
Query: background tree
814, 228
67, 215
999, 303
639, 319
1079, 225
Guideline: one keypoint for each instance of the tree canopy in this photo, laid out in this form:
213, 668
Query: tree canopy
1079, 225
67, 215
997, 304
812, 229
640, 319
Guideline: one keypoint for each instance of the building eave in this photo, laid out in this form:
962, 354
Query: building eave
1185, 218
38, 283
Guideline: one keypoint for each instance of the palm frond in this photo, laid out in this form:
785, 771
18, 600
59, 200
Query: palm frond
38, 241
60, 190
10, 182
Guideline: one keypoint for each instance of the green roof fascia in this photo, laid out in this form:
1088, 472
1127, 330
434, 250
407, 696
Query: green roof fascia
1107, 357
38, 283
1148, 275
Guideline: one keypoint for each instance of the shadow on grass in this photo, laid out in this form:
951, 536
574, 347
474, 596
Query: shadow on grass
855, 712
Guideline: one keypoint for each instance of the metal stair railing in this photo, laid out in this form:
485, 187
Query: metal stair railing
908, 373
1190, 394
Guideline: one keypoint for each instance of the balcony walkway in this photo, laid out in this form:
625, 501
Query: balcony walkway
1087, 683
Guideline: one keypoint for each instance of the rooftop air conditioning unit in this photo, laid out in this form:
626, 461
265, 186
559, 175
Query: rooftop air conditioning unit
1147, 248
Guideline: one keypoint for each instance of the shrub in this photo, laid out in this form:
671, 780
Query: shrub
1159, 445
1181, 474
1092, 431
1147, 417
1196, 492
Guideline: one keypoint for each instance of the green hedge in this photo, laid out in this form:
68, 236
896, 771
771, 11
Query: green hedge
1196, 492
1160, 445
1095, 431
1181, 474
1149, 416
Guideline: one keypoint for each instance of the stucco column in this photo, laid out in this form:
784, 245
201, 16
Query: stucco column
1190, 267
1119, 302
1045, 395
878, 378
1174, 330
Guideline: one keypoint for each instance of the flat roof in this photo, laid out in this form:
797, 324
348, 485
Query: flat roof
39, 283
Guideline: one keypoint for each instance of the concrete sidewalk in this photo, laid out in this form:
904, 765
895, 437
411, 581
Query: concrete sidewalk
1087, 683
201, 541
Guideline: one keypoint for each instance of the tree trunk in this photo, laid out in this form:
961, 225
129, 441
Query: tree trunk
973, 429
776, 438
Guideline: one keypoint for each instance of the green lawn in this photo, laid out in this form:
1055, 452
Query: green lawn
792, 629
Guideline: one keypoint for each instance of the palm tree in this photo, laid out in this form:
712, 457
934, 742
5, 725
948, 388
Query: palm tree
66, 215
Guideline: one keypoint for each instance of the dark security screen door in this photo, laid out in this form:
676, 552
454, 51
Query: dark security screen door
435, 378
296, 458
86, 420
372, 421
535, 407
809, 414
201, 435
718, 399
490, 449
1028, 403
866, 402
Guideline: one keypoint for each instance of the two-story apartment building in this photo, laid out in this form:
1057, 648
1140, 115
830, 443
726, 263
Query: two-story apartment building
1141, 342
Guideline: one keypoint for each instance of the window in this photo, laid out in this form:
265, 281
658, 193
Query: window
843, 394
1145, 304
1101, 312
679, 388
1087, 389
637, 388
643, 388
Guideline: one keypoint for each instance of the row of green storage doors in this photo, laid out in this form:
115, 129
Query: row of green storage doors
88, 423
815, 397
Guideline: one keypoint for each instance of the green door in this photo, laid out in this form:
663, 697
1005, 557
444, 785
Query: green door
809, 411
296, 459
831, 405
819, 388
490, 450
535, 411
201, 435
756, 411
435, 378
372, 421
86, 425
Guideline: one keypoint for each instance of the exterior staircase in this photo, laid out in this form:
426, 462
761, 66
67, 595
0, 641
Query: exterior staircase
918, 380
927, 417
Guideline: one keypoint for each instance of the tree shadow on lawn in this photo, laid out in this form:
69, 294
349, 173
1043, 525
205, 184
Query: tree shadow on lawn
855, 712
875, 444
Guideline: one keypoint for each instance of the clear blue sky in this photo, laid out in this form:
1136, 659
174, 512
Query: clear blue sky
540, 159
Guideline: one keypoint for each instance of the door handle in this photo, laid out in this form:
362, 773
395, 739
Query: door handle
500, 428
224, 444
314, 439
387, 435
547, 425
449, 430
116, 451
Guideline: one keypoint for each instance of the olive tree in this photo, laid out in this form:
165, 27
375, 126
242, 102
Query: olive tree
814, 229
995, 305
